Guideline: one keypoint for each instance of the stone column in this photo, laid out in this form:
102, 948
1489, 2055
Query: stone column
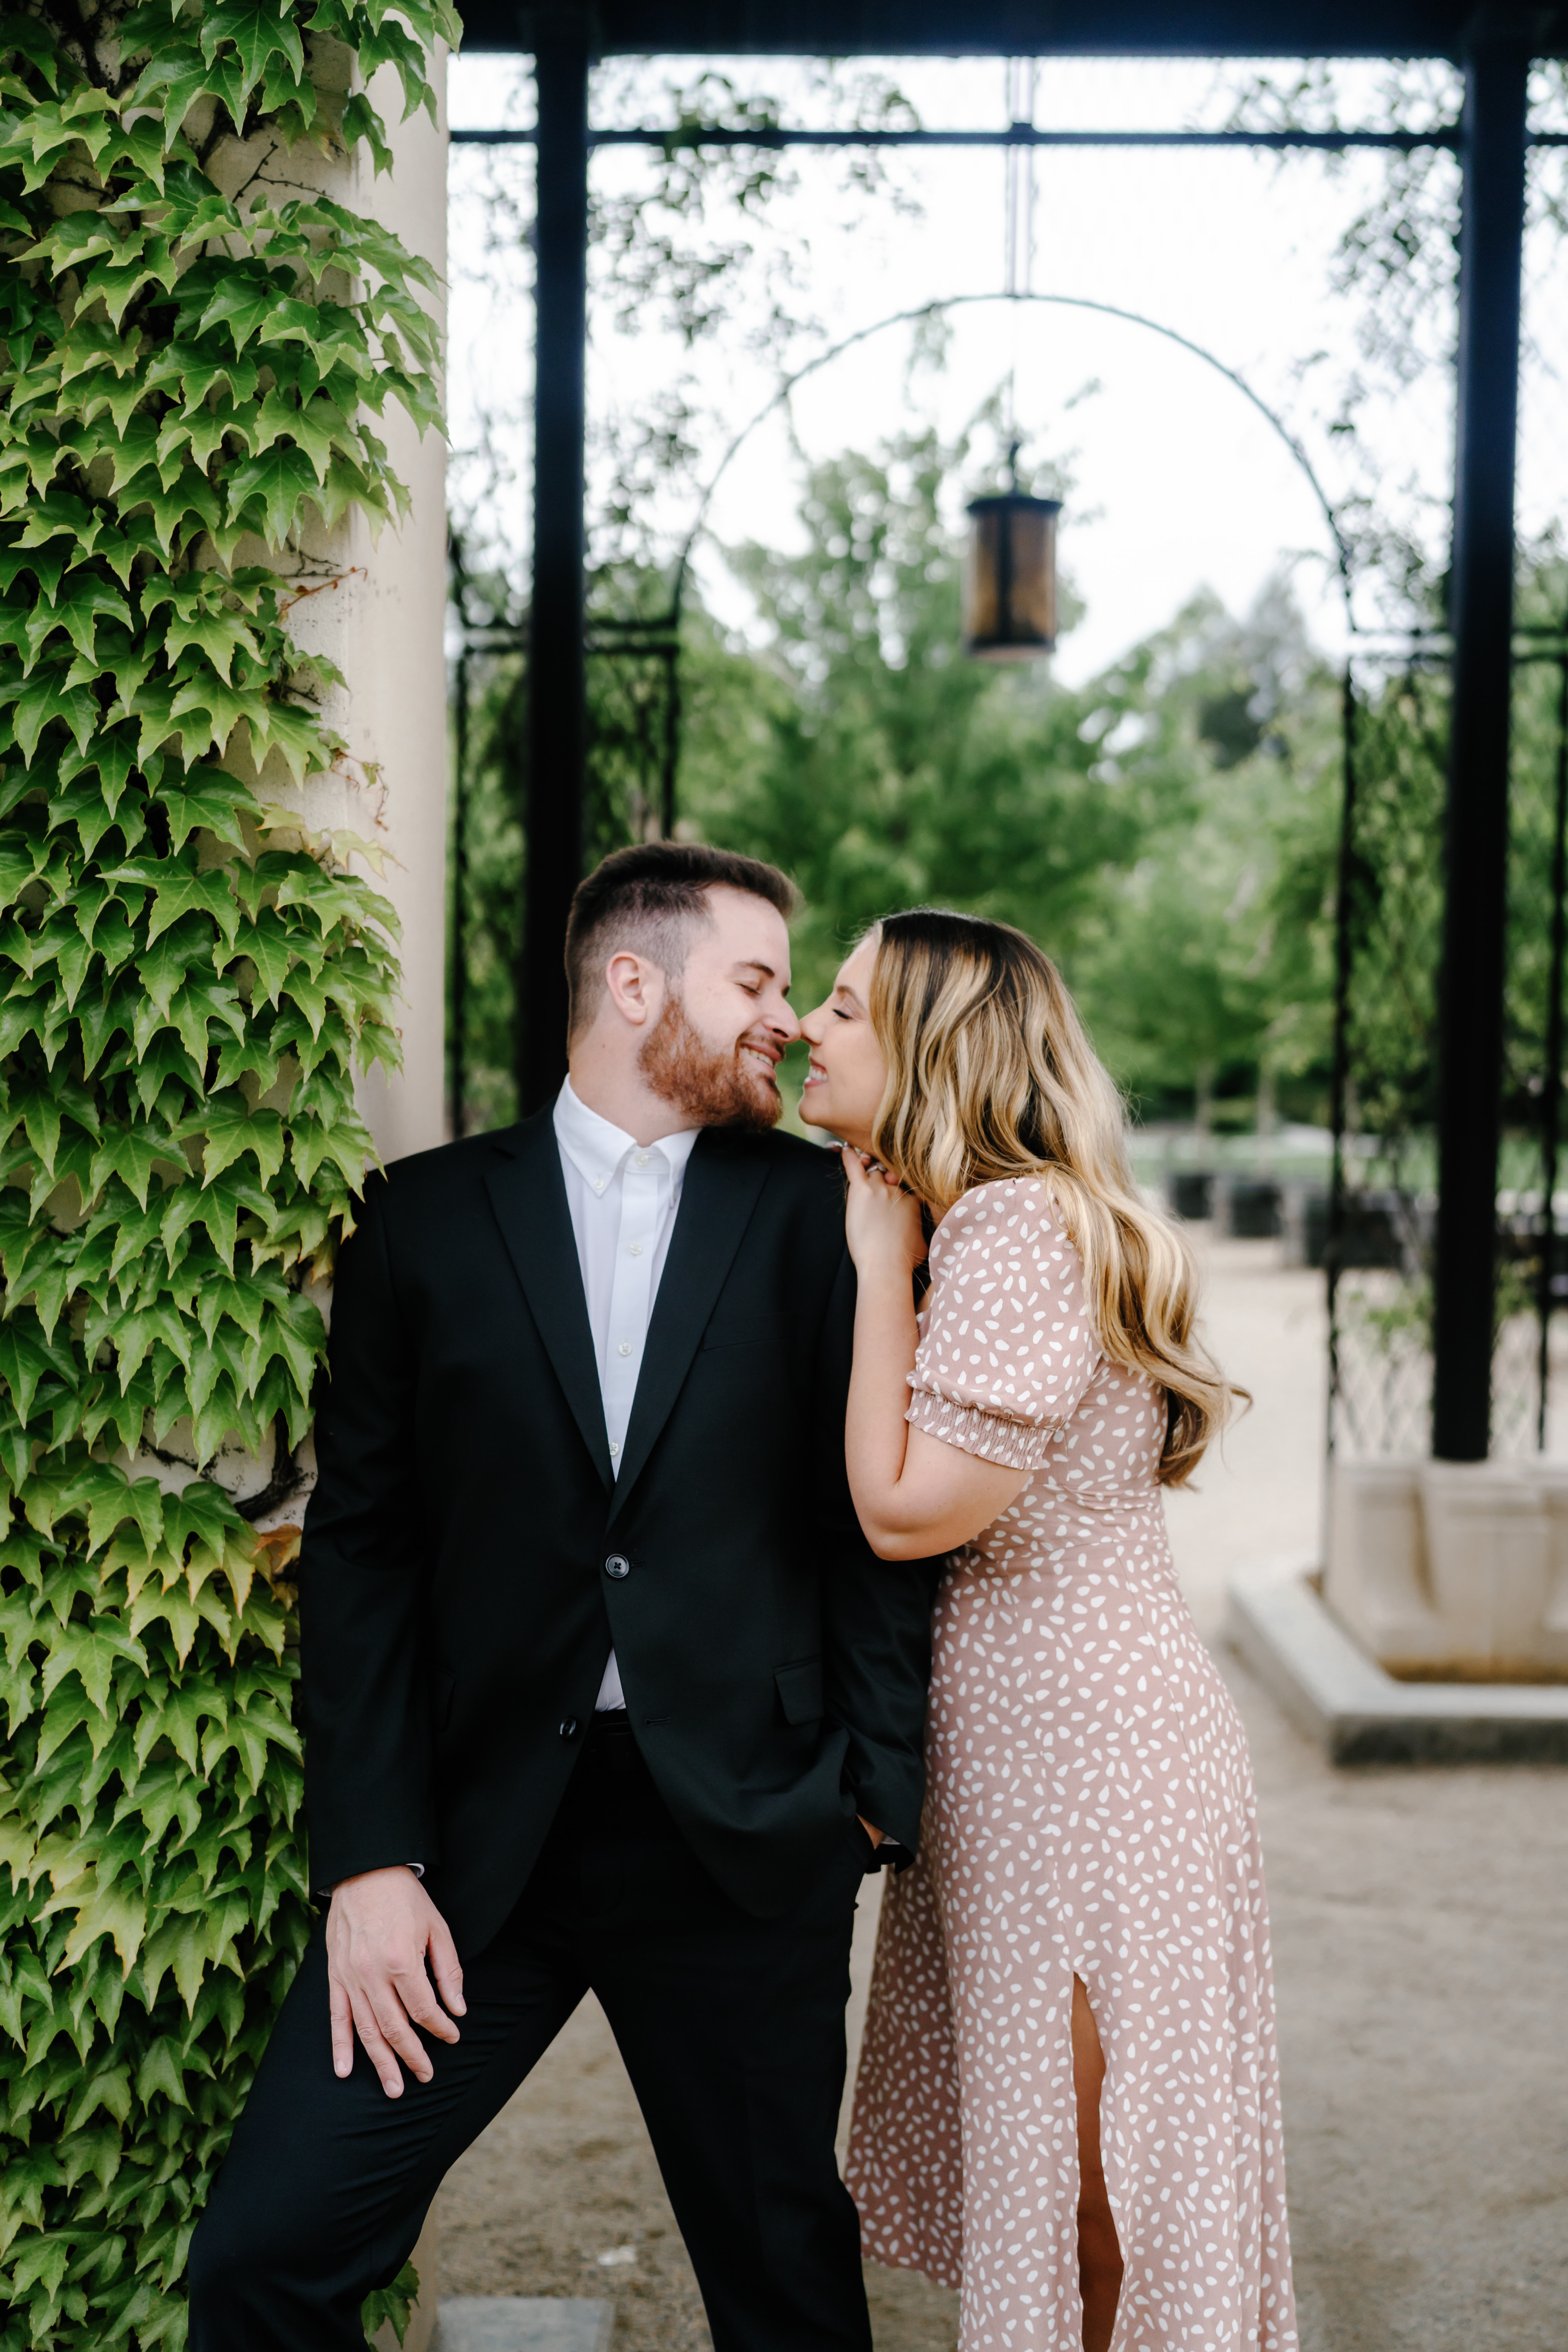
398, 675
376, 607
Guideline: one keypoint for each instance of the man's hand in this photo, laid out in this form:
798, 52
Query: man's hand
379, 1929
876, 1836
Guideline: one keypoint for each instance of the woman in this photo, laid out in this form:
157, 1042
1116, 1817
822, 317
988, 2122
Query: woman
1068, 2102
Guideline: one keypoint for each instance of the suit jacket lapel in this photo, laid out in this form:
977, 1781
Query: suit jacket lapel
528, 1193
723, 1178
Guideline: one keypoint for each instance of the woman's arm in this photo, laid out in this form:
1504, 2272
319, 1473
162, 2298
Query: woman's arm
914, 1494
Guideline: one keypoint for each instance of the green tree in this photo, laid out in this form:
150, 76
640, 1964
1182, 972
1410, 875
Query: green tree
890, 770
1214, 952
1167, 831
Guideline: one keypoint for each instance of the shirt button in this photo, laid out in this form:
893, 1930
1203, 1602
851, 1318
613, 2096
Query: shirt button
625, 1348
640, 1158
617, 1566
569, 1729
614, 1447
599, 1184
637, 1249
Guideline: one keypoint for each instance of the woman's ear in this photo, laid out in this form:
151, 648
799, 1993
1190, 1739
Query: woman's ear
636, 988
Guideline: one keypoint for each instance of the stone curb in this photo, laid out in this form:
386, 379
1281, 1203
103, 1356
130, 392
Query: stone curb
523, 2322
1333, 1691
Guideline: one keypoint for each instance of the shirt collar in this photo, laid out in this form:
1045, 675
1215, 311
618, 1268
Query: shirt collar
596, 1148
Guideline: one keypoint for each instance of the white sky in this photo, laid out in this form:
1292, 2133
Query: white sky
1178, 482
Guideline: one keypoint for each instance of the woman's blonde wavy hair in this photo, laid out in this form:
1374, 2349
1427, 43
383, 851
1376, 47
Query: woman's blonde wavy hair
990, 1075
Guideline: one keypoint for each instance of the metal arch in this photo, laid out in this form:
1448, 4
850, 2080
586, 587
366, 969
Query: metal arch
1343, 942
1062, 301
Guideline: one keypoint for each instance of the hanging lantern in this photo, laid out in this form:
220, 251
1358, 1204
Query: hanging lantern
1010, 577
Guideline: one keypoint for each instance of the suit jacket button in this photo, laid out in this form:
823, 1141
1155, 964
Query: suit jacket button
569, 1729
617, 1566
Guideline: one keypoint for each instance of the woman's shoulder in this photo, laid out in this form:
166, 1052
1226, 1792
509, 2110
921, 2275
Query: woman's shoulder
1002, 1259
1009, 1207
1012, 1227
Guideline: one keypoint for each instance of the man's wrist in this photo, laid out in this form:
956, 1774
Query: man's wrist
416, 1867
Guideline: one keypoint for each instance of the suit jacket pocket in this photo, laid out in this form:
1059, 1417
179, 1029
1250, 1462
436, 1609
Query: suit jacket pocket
731, 1330
800, 1691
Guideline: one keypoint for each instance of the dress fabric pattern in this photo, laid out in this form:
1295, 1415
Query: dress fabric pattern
1089, 1812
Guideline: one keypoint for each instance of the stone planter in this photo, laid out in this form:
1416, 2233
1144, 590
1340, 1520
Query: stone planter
1189, 1192
1455, 1568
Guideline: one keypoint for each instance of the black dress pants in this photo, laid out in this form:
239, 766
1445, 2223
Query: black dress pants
733, 2032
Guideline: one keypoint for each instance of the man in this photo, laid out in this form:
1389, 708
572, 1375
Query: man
603, 1686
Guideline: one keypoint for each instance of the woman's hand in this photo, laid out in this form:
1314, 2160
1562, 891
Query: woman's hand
883, 1222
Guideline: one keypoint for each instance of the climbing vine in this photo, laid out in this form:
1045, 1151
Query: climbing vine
198, 342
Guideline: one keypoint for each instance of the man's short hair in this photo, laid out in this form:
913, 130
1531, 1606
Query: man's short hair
647, 901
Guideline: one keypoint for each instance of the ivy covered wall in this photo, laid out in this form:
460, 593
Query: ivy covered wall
198, 342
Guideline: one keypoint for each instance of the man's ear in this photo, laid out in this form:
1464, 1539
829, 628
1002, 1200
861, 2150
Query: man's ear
636, 988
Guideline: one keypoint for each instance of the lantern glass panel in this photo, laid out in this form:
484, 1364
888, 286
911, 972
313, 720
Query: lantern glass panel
1010, 578
980, 582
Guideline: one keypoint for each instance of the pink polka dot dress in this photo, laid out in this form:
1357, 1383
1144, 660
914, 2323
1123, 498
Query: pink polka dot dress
1090, 1813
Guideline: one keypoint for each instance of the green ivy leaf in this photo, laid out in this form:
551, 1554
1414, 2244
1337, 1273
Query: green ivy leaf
118, 1912
275, 482
181, 73
361, 121
166, 1057
233, 1129
197, 1006
218, 710
210, 798
257, 33
92, 1652
29, 37
198, 370
134, 1154
269, 942
181, 888
43, 699
189, 496
77, 610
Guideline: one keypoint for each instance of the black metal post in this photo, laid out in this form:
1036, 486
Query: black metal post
1552, 1077
669, 776
458, 1000
557, 724
1345, 958
1475, 888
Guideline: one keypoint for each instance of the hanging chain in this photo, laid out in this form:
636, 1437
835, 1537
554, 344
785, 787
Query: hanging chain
1019, 260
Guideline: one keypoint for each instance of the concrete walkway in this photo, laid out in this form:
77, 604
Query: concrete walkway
1421, 1946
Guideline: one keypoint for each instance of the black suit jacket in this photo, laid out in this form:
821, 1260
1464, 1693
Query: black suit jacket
456, 1606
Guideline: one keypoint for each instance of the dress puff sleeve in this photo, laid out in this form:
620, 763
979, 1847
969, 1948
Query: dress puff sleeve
1007, 1346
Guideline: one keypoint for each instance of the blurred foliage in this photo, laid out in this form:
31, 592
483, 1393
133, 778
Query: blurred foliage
1167, 831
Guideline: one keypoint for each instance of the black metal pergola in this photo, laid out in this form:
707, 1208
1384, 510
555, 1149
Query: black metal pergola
1494, 46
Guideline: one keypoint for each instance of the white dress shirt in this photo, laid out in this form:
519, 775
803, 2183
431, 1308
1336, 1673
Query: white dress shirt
623, 1196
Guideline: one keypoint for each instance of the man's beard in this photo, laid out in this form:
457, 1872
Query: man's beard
714, 1087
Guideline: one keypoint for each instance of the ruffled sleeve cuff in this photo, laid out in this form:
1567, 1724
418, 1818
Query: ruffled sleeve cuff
1015, 1445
